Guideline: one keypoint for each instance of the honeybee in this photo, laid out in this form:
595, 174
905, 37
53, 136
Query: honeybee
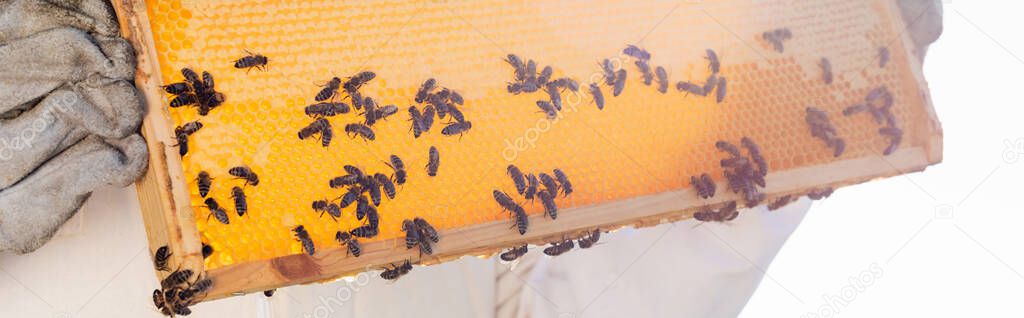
350, 196
826, 70
720, 91
399, 167
645, 71
505, 201
554, 95
818, 194
241, 207
549, 184
702, 187
426, 229
244, 172
373, 189
662, 79
252, 61
412, 235
595, 91
428, 117
517, 64
321, 126
755, 155
216, 211
365, 231
620, 83
545, 75
531, 72
396, 272
357, 129
346, 239
417, 121
456, 113
713, 62
327, 109
522, 221
514, 253
548, 109
563, 181
176, 278
425, 88
549, 204
161, 257
589, 240
531, 187
325, 206
386, 184
457, 128
691, 88
203, 182
883, 57
517, 178
190, 76
636, 52
568, 83
609, 72
303, 237
269, 293
355, 82
433, 161
895, 137
710, 83
729, 148
780, 202
559, 248
179, 88
329, 90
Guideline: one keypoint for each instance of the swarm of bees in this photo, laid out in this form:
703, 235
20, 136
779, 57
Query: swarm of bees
528, 80
744, 174
329, 104
781, 202
529, 187
821, 128
704, 185
726, 213
878, 103
196, 92
443, 102
178, 290
204, 182
713, 84
777, 38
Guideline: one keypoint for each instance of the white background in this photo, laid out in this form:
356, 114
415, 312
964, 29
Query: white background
943, 243
966, 265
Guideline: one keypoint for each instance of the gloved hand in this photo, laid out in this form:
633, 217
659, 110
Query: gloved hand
69, 114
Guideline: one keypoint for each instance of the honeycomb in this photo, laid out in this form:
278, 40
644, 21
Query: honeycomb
642, 142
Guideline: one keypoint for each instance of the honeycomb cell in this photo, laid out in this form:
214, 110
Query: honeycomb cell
642, 143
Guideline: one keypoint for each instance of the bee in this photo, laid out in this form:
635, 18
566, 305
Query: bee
203, 182
620, 83
216, 211
327, 109
329, 90
303, 237
563, 180
357, 129
201, 286
351, 196
428, 231
662, 79
883, 57
838, 147
428, 85
522, 221
346, 239
399, 167
190, 76
589, 240
549, 204
330, 208
177, 88
531, 72
517, 64
385, 183
720, 93
609, 72
373, 189
456, 98
176, 278
598, 96
243, 172
456, 113
517, 178
372, 217
160, 302
545, 75
531, 187
160, 258
713, 63
321, 126
505, 201
895, 137
755, 155
457, 128
345, 180
547, 108
691, 88
569, 83
705, 187
412, 235
710, 83
384, 112
269, 293
181, 134
207, 250
433, 161
396, 272
728, 148
855, 109
819, 194
428, 118
559, 248
357, 99
240, 201
417, 121
555, 96
515, 88
355, 82
365, 231
726, 213
826, 70
252, 61
514, 253
549, 184
780, 202
636, 52
645, 71
370, 111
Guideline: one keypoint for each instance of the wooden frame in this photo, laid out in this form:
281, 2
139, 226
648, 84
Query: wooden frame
169, 218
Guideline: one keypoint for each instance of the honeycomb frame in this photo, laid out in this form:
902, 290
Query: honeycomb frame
167, 196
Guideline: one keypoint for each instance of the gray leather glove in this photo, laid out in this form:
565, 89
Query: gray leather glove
69, 114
